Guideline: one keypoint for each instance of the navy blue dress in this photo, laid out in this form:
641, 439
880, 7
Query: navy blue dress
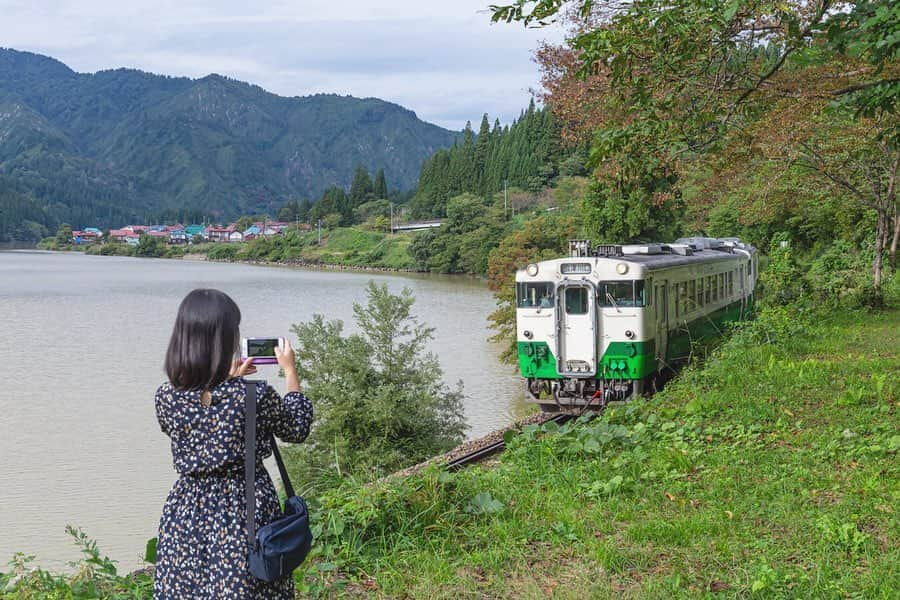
202, 548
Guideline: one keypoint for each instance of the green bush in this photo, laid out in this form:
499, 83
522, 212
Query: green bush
150, 247
841, 275
174, 252
94, 576
380, 400
781, 282
223, 252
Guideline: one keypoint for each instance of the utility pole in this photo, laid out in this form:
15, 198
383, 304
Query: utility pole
392, 218
319, 225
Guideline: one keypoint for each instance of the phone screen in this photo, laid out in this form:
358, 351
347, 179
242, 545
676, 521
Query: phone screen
261, 347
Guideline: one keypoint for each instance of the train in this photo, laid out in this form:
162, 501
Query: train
607, 321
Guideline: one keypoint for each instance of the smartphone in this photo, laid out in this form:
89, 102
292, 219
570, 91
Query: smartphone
261, 350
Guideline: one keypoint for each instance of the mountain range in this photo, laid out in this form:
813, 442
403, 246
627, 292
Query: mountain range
106, 147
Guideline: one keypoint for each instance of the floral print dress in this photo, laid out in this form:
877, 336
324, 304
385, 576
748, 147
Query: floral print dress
202, 547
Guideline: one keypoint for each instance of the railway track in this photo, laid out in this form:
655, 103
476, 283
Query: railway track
492, 448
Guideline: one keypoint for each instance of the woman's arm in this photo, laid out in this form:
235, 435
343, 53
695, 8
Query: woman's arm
289, 418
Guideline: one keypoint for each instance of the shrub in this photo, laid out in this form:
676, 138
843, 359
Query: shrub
782, 280
94, 576
380, 400
840, 275
223, 252
150, 247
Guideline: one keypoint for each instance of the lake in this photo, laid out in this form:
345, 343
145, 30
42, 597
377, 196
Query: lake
84, 340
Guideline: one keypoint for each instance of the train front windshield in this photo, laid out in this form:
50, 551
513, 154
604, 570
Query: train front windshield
535, 295
621, 293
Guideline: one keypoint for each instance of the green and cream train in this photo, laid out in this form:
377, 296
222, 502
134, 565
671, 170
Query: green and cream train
600, 324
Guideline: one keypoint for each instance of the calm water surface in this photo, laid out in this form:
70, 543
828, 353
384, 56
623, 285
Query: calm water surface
83, 344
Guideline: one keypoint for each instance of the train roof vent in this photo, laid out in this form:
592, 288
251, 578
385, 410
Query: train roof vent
733, 242
700, 243
579, 248
682, 249
642, 249
609, 250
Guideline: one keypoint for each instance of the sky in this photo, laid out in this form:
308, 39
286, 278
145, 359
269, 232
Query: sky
442, 59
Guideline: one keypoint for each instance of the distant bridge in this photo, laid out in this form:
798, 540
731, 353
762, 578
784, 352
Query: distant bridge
416, 226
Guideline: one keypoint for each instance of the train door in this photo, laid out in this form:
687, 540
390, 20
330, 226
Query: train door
661, 301
577, 330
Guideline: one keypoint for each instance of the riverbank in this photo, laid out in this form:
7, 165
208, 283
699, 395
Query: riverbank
349, 248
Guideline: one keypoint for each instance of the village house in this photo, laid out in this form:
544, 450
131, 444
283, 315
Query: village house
84, 237
119, 235
219, 234
192, 230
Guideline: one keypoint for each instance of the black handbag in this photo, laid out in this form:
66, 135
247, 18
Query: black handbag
278, 548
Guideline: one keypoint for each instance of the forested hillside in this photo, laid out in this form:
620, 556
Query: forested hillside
525, 154
118, 145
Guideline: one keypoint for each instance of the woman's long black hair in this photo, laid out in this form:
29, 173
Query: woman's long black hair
204, 340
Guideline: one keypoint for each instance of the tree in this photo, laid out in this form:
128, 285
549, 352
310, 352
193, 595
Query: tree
542, 238
380, 400
361, 188
244, 223
421, 248
379, 189
150, 247
660, 98
64, 235
482, 153
464, 213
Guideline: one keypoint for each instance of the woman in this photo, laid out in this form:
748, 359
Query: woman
202, 548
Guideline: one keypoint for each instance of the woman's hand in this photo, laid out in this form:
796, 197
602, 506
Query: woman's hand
286, 358
288, 362
242, 369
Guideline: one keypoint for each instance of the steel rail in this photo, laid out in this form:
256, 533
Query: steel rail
494, 447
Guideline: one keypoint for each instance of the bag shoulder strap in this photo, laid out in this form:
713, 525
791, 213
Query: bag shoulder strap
250, 461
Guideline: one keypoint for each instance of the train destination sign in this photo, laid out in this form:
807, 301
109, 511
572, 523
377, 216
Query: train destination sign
576, 268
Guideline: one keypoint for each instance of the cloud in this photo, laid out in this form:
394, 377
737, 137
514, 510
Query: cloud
443, 60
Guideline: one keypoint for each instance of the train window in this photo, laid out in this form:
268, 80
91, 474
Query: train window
692, 294
576, 300
535, 295
708, 289
700, 292
722, 286
639, 299
621, 293
731, 283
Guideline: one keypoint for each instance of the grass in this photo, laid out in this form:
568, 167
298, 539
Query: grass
353, 246
769, 471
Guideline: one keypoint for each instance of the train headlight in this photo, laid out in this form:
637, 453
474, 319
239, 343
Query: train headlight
528, 334
532, 269
629, 334
621, 268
